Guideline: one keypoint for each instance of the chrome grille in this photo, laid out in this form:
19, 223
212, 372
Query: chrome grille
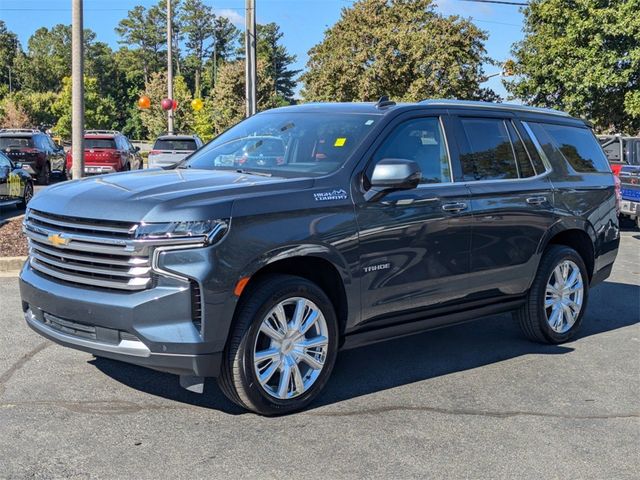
98, 253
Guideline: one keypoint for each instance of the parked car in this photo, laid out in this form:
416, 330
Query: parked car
414, 217
34, 151
620, 150
630, 192
107, 151
168, 150
16, 185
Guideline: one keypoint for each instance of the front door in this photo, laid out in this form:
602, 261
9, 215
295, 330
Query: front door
415, 244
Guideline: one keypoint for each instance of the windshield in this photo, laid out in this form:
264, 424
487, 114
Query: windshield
15, 142
287, 144
99, 143
177, 144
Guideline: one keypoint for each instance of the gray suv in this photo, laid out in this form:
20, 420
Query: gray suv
380, 221
168, 150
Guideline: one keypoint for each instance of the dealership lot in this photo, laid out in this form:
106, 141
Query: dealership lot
471, 401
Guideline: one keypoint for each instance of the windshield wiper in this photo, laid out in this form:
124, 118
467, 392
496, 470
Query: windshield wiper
253, 172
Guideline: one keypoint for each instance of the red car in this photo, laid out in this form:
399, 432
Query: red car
107, 151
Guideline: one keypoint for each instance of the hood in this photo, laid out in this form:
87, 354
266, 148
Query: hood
159, 195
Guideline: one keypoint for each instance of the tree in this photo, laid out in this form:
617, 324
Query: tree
277, 60
99, 111
146, 30
9, 49
198, 26
155, 119
229, 94
400, 48
12, 115
582, 57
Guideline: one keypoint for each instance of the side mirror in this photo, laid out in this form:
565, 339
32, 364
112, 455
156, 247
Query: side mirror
393, 174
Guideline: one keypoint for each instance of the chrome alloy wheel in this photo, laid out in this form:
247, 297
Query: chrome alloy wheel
291, 348
564, 296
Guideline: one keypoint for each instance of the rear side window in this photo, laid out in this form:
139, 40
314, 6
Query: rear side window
578, 146
186, 144
486, 150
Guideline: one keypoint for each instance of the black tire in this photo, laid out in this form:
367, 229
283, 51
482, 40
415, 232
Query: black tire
238, 379
44, 177
27, 196
533, 316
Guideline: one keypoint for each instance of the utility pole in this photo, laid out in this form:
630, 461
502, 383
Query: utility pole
250, 55
77, 89
10, 87
169, 66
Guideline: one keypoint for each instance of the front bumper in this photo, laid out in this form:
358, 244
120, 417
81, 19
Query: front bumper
151, 328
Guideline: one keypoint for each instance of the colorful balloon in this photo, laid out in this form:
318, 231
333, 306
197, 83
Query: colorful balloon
144, 102
197, 104
166, 104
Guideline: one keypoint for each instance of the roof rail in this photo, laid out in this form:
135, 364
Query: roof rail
106, 132
496, 106
20, 130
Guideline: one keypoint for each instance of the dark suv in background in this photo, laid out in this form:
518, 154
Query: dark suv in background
379, 221
107, 151
34, 151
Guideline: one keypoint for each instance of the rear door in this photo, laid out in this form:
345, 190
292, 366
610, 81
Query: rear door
414, 244
511, 199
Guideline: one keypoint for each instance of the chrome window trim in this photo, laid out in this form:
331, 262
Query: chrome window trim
524, 145
536, 143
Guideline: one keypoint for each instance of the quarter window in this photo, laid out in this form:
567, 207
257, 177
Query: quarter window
578, 146
422, 141
525, 168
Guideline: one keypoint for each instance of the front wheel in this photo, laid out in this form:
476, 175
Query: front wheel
26, 196
558, 297
283, 346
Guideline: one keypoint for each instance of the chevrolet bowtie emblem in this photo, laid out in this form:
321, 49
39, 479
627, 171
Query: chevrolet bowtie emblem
57, 240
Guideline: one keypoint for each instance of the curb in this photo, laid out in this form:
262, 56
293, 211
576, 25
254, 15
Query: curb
11, 266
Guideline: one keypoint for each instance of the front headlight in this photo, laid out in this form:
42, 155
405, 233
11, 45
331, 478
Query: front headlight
209, 230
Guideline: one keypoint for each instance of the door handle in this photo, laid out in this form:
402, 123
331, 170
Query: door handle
454, 207
536, 200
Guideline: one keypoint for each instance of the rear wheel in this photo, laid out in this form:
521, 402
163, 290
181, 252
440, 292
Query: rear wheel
558, 297
44, 177
283, 347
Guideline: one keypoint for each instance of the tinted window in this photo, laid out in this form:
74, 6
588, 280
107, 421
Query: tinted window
4, 161
422, 141
578, 146
185, 144
311, 143
486, 151
99, 143
525, 168
16, 142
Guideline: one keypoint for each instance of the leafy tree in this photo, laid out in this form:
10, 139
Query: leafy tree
198, 26
38, 106
229, 94
9, 49
155, 119
146, 30
400, 48
99, 110
582, 57
277, 60
226, 39
12, 115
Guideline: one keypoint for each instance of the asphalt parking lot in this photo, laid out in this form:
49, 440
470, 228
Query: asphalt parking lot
472, 401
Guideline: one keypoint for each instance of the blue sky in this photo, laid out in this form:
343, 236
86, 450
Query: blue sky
302, 21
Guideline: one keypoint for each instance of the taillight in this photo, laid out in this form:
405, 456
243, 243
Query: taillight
155, 152
618, 185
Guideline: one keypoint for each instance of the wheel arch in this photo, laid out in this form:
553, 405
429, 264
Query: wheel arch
578, 235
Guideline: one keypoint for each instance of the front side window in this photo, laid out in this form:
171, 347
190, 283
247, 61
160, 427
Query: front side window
486, 152
286, 144
422, 141
578, 146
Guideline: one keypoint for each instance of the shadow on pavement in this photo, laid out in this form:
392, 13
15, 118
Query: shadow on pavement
411, 359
